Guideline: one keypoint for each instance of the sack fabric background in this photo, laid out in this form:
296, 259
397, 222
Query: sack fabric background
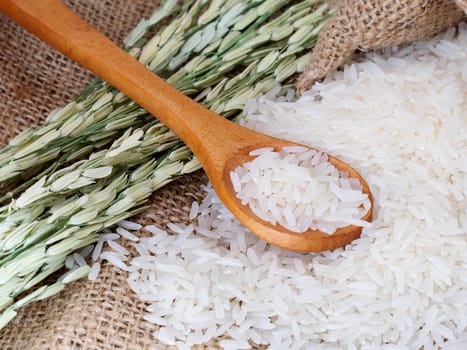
34, 80
365, 25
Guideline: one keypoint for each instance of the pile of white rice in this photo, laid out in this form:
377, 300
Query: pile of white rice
299, 189
400, 119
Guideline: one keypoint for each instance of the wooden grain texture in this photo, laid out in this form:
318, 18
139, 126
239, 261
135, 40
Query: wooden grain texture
219, 144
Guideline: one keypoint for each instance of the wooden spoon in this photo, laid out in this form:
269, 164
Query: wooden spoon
219, 144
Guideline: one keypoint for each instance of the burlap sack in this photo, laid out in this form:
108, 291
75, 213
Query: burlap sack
365, 25
35, 79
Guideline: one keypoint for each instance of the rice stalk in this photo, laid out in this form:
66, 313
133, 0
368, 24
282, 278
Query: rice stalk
97, 116
74, 223
101, 114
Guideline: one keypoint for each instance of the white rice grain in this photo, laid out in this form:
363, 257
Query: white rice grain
279, 187
129, 225
115, 259
194, 210
117, 247
398, 117
94, 272
69, 262
86, 251
79, 259
97, 249
127, 234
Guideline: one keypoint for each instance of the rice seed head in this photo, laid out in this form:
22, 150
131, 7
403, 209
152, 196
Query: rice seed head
83, 216
51, 290
302, 62
64, 113
246, 20
120, 206
177, 61
98, 173
6, 316
22, 138
236, 54
100, 198
232, 16
180, 153
212, 12
5, 227
168, 168
75, 275
17, 236
37, 144
268, 6
64, 233
268, 61
191, 166
143, 171
5, 156
62, 182
300, 35
125, 143
42, 230
25, 263
137, 33
5, 301
213, 46
192, 42
30, 161
103, 100
92, 118
71, 124
9, 171
110, 221
165, 54
117, 124
63, 171
167, 9
312, 18
30, 297
150, 50
22, 216
213, 93
139, 191
82, 238
32, 194
285, 69
87, 233
80, 183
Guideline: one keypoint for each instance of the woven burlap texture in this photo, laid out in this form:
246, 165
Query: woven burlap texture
365, 25
35, 79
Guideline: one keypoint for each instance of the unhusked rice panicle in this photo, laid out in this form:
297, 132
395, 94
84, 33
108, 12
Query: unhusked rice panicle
400, 118
298, 189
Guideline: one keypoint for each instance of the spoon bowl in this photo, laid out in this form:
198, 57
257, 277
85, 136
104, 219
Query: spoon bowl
219, 144
309, 241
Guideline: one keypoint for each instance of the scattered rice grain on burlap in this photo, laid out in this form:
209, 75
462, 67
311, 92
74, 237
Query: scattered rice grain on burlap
35, 79
365, 25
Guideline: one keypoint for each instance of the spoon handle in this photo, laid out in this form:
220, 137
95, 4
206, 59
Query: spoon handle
202, 130
220, 145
